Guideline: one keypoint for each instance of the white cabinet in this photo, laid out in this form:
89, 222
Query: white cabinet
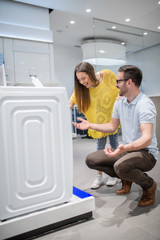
25, 58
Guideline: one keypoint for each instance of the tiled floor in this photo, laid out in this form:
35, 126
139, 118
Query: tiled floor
115, 217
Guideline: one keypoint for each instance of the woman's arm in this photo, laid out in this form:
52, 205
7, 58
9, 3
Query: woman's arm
101, 74
71, 104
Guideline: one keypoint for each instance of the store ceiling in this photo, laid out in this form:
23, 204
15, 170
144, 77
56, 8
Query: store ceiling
144, 17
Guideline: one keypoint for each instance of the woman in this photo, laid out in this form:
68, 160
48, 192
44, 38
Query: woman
94, 95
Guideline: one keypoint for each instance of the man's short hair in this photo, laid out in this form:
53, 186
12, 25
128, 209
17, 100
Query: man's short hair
132, 72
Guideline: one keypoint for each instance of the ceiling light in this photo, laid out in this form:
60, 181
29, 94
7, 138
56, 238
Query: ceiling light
158, 27
88, 10
72, 22
127, 19
123, 43
159, 2
103, 52
113, 27
145, 33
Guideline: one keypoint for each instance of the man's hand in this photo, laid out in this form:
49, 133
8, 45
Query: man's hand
83, 125
116, 152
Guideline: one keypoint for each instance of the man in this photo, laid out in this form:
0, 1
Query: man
138, 154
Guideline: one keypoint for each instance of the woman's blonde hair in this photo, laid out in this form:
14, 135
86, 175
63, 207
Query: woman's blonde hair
81, 92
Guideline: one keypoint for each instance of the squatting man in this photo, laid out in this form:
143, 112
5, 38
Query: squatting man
138, 154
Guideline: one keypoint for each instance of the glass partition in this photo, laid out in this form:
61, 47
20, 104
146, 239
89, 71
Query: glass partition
142, 50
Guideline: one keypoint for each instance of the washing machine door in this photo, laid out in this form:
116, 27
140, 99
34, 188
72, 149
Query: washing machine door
35, 149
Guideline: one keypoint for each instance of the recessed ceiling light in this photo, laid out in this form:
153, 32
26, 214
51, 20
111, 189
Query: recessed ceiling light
101, 51
127, 19
113, 27
158, 27
72, 22
145, 33
88, 10
123, 43
159, 2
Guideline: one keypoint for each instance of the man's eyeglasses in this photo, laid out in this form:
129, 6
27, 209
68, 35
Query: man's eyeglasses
122, 80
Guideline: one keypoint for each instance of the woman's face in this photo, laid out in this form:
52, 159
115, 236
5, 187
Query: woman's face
84, 79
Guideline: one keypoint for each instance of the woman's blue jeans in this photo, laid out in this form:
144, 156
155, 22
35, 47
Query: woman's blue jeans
113, 141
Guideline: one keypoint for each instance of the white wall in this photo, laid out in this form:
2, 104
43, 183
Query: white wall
112, 68
65, 61
148, 61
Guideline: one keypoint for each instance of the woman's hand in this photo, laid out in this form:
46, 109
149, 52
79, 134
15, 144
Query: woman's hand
119, 97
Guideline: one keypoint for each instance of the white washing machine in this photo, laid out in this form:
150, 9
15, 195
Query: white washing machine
35, 150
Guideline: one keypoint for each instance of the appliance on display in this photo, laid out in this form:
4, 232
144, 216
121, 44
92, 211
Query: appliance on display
36, 159
2, 75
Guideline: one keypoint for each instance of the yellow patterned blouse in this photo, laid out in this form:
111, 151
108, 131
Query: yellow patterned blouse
102, 100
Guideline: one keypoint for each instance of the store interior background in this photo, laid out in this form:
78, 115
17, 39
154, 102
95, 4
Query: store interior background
37, 39
40, 40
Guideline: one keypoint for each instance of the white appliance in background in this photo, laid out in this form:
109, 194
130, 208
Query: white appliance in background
35, 150
2, 75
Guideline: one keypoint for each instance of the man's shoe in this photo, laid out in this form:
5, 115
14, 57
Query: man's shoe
97, 182
148, 196
111, 181
126, 186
